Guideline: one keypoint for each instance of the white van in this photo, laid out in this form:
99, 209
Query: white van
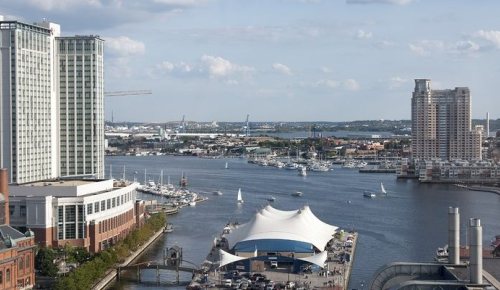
274, 264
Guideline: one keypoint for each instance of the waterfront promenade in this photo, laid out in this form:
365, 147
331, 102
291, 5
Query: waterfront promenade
112, 273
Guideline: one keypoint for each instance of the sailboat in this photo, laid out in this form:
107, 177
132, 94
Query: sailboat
240, 199
226, 167
382, 189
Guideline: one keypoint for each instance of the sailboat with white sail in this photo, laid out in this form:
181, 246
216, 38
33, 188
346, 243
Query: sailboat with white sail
382, 189
240, 198
227, 166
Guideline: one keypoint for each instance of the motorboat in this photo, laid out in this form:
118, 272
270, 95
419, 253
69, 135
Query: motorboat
217, 192
271, 199
369, 194
168, 228
297, 194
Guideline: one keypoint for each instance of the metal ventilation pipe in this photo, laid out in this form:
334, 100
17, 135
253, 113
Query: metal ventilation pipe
476, 251
453, 236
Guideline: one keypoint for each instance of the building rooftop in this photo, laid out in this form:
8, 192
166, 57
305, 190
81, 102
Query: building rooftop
69, 182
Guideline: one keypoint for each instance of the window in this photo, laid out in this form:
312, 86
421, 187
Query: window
7, 275
21, 264
28, 262
1, 277
22, 210
108, 202
96, 206
103, 205
12, 209
89, 208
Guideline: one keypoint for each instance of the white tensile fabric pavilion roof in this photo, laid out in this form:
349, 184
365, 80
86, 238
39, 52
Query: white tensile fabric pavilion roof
296, 225
227, 258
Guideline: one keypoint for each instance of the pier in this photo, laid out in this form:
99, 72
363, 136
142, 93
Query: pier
230, 266
335, 275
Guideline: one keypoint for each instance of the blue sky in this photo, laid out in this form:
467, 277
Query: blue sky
282, 60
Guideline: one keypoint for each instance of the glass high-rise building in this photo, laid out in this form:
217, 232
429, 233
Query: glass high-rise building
51, 108
81, 105
29, 142
441, 124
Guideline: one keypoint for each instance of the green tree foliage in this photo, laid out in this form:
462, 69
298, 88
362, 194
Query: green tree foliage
85, 276
44, 261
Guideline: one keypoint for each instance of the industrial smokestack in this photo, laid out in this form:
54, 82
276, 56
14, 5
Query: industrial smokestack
476, 251
4, 189
453, 236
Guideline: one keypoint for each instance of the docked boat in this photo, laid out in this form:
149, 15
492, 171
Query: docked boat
168, 228
192, 203
217, 192
240, 198
302, 171
369, 194
227, 166
271, 199
442, 253
297, 194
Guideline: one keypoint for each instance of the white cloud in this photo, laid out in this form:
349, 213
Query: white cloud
361, 34
213, 67
351, 85
428, 47
123, 46
466, 46
51, 5
425, 47
219, 67
492, 36
281, 68
120, 49
397, 82
348, 84
393, 2
326, 69
98, 14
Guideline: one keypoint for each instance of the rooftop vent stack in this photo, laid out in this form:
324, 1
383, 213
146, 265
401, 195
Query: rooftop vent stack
454, 235
476, 251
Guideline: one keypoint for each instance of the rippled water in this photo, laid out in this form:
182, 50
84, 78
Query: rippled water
407, 225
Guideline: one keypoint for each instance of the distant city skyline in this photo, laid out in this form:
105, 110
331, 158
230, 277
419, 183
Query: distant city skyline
282, 60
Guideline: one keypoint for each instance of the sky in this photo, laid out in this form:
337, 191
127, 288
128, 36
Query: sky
282, 60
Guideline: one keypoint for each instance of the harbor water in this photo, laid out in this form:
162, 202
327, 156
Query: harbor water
408, 224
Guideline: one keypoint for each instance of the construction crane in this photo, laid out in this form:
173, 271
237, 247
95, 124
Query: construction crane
127, 93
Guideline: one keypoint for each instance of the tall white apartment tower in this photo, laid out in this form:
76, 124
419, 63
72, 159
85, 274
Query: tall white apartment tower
81, 104
441, 124
28, 107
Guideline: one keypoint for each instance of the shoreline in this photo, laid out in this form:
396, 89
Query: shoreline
112, 273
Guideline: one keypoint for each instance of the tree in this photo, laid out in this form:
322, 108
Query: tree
44, 262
